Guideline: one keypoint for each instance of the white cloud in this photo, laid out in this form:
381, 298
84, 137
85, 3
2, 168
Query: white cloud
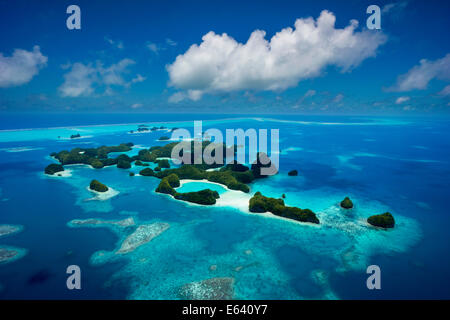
138, 78
136, 105
82, 80
395, 6
153, 47
401, 100
21, 67
310, 93
117, 44
445, 91
338, 98
419, 76
170, 42
177, 97
113, 75
221, 64
156, 48
78, 81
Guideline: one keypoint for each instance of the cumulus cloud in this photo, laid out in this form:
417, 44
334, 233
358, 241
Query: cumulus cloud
221, 64
82, 80
79, 81
113, 75
419, 76
401, 100
20, 67
136, 105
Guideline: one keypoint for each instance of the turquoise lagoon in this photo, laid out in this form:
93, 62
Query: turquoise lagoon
383, 164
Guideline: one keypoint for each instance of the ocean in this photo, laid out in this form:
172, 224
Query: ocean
400, 165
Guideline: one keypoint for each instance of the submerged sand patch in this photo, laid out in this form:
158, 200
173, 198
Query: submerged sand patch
209, 289
143, 234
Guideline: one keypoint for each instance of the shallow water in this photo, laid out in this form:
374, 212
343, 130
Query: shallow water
396, 165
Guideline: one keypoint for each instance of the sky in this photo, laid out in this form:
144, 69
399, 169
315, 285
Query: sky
239, 57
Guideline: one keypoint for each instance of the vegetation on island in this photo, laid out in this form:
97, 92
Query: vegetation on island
164, 138
123, 164
140, 163
97, 164
163, 163
91, 155
347, 203
385, 220
53, 168
168, 183
262, 161
147, 172
165, 187
234, 176
74, 136
260, 204
98, 186
204, 197
173, 180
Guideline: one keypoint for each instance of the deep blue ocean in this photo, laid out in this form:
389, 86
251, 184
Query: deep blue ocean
400, 165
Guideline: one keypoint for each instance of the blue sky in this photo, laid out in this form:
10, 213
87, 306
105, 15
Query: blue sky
136, 56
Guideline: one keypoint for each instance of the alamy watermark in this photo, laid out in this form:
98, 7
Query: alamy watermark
374, 280
249, 146
74, 280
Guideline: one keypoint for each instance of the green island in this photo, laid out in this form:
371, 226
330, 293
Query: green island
293, 173
346, 203
98, 186
74, 136
234, 176
385, 220
164, 163
204, 197
140, 163
260, 204
123, 164
95, 157
53, 168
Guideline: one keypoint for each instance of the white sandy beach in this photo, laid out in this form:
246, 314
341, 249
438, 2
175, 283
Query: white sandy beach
240, 200
60, 174
102, 196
